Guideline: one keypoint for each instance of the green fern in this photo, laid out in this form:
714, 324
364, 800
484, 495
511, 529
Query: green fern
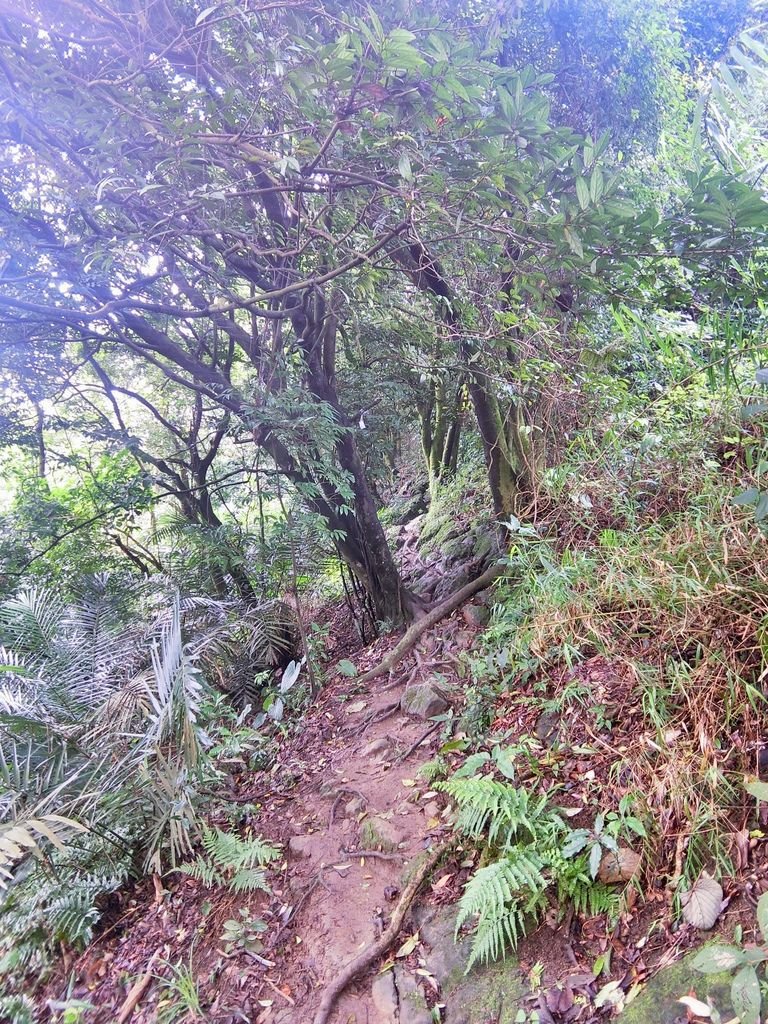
576, 887
434, 769
504, 896
522, 840
497, 810
230, 860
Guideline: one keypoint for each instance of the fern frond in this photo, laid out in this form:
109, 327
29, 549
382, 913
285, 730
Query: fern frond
17, 1009
504, 896
203, 870
496, 809
228, 858
249, 880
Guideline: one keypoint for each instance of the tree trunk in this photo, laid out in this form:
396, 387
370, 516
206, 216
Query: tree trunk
440, 418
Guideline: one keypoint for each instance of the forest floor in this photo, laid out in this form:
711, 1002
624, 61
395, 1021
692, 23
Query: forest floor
353, 817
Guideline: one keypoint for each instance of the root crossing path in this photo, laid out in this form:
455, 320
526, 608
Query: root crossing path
364, 838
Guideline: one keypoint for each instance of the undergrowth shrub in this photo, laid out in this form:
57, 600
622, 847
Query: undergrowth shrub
682, 610
229, 860
527, 854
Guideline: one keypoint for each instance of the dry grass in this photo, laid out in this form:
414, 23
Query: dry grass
683, 611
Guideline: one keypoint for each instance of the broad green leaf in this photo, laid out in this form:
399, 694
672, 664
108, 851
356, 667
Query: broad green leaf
595, 856
757, 788
762, 915
347, 668
745, 995
582, 193
715, 959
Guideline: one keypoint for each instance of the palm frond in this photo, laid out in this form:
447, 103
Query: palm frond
24, 836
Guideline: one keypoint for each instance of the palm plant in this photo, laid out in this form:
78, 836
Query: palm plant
99, 754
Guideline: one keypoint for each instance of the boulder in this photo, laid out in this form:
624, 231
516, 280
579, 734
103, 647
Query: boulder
384, 998
486, 993
376, 748
354, 806
423, 701
301, 846
412, 1004
658, 1003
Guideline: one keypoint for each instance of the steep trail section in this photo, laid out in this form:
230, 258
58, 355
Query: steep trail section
362, 822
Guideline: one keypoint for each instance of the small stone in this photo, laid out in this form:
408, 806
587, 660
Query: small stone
619, 865
354, 806
423, 701
548, 727
384, 998
463, 638
301, 846
378, 833
376, 747
475, 615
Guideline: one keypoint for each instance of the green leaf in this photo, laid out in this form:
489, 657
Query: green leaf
404, 167
715, 959
347, 668
762, 915
596, 185
748, 497
503, 762
745, 995
573, 241
595, 856
582, 193
575, 842
203, 15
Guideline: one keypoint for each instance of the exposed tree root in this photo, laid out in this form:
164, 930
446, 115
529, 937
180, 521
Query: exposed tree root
417, 744
430, 619
361, 963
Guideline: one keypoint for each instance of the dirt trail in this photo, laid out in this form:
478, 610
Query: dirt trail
362, 775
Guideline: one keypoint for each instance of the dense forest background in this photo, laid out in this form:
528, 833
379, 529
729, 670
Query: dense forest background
278, 279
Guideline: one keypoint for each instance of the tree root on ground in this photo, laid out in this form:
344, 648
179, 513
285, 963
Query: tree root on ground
430, 619
361, 963
417, 744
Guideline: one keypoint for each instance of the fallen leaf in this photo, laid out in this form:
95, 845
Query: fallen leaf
610, 995
696, 1006
355, 708
408, 783
408, 946
702, 905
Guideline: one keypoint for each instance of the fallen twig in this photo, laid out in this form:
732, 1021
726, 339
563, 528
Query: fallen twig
376, 853
430, 619
346, 790
378, 716
280, 992
137, 990
378, 948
